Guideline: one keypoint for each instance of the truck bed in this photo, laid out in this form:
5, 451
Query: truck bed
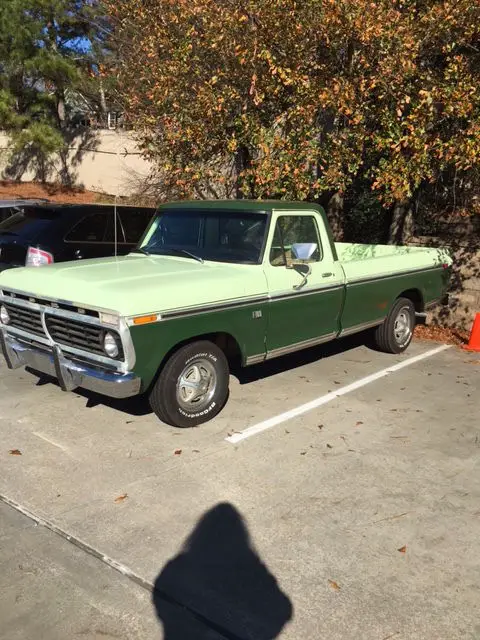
367, 260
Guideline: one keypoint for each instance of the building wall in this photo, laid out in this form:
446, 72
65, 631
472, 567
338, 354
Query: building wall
103, 160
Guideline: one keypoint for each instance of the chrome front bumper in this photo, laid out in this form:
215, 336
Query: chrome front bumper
69, 374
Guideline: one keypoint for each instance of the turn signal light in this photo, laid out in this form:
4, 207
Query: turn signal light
145, 319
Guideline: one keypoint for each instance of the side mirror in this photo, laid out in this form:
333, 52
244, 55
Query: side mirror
303, 250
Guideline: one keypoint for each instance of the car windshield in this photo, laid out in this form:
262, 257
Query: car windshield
220, 236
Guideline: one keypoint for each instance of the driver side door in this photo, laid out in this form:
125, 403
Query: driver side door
305, 295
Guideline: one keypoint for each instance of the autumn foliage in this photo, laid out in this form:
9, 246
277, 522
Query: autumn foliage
296, 99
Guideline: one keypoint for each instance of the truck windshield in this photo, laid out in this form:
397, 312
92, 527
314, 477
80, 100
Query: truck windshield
220, 236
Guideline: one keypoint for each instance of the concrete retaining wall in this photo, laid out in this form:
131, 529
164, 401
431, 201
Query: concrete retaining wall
103, 160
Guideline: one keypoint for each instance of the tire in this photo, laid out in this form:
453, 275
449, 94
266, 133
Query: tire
396, 332
192, 387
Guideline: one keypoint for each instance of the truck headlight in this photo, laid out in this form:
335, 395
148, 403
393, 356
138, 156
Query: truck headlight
4, 315
110, 345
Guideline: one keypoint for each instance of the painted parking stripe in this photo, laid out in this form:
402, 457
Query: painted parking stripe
318, 402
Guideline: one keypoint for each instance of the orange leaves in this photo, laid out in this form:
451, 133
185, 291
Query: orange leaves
284, 98
334, 585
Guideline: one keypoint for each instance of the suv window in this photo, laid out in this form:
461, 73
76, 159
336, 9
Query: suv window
92, 228
134, 223
292, 230
29, 222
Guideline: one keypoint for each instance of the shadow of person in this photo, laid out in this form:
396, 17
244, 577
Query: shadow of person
219, 582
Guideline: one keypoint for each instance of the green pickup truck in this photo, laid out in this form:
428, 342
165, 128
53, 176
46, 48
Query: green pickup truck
211, 285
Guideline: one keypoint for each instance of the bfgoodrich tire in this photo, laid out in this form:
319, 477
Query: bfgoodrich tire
396, 332
192, 387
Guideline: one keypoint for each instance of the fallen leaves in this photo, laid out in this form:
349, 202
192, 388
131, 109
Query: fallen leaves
15, 452
441, 334
334, 585
177, 452
121, 498
358, 423
403, 549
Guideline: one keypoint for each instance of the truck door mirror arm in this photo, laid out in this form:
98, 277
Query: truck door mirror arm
303, 269
302, 251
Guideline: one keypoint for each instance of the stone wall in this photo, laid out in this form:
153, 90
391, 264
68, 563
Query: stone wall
463, 241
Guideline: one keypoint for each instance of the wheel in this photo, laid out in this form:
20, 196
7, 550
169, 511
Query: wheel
192, 387
396, 332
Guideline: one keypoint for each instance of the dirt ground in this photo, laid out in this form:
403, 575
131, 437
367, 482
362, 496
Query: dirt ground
56, 193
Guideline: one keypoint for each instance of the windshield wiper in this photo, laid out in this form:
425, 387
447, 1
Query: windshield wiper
183, 252
140, 250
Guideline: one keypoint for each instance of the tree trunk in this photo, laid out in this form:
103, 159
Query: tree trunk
103, 101
242, 162
401, 226
335, 215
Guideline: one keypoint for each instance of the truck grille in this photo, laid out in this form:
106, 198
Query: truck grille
79, 335
65, 331
26, 319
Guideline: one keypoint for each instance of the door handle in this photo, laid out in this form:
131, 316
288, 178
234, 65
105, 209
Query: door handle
327, 274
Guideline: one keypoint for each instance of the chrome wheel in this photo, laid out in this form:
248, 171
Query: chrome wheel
196, 385
403, 327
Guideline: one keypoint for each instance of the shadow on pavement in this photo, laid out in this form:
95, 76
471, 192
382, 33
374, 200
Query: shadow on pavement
138, 405
219, 580
301, 358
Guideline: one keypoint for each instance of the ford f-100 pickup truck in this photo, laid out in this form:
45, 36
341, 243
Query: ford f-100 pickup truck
211, 284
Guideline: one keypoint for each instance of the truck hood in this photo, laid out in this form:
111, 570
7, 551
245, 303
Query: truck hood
137, 284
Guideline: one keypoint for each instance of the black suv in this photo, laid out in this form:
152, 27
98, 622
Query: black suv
9, 207
44, 233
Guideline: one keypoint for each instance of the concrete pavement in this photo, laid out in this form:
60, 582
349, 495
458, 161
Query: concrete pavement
294, 533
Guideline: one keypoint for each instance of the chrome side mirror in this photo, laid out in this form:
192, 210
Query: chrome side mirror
303, 250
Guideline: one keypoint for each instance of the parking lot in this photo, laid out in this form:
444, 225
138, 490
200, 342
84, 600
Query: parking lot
356, 516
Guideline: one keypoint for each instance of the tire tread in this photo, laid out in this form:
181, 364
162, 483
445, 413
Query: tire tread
161, 392
384, 338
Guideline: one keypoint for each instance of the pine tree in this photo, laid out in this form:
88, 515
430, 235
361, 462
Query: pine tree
47, 47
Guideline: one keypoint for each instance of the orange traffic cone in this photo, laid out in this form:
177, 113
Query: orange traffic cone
474, 343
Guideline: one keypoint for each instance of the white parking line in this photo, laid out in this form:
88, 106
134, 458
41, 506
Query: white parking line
318, 402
